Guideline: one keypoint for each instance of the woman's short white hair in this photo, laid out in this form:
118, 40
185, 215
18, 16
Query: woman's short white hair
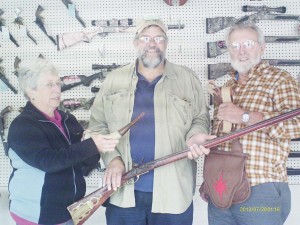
242, 26
29, 75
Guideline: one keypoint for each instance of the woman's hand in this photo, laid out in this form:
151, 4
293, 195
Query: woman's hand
105, 143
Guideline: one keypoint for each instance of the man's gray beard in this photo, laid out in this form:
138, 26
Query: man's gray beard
152, 62
245, 68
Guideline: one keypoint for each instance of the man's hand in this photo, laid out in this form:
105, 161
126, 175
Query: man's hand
230, 112
195, 145
113, 174
233, 114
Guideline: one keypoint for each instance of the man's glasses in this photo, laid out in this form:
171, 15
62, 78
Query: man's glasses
157, 39
248, 44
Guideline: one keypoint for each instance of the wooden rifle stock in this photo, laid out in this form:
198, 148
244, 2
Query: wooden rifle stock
80, 211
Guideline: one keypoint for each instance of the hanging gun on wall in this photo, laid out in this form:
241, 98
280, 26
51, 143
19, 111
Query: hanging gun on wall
293, 171
68, 105
66, 40
294, 154
80, 211
67, 3
126, 23
219, 23
75, 80
20, 22
39, 20
2, 23
104, 67
69, 39
219, 47
95, 89
220, 69
5, 80
17, 65
4, 111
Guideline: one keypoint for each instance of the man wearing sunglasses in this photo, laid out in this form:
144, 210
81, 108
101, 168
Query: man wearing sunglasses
176, 116
260, 91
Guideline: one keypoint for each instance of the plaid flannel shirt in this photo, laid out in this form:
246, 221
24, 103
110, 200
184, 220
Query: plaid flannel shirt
271, 91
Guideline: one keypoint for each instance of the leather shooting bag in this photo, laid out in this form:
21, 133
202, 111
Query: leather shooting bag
225, 179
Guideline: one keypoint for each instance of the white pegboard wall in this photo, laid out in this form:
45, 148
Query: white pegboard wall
186, 47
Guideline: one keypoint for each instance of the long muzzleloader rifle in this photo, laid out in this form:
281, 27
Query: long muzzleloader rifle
2, 23
220, 69
219, 23
102, 28
81, 210
219, 47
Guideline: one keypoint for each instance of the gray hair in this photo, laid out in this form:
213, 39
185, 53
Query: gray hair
242, 26
29, 75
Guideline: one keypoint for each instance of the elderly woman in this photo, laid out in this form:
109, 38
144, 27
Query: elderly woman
46, 151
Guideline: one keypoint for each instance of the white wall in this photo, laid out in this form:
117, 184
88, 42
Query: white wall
187, 47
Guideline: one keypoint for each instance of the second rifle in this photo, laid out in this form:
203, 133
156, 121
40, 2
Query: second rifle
220, 69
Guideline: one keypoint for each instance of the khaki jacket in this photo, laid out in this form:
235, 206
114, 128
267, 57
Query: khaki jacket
180, 112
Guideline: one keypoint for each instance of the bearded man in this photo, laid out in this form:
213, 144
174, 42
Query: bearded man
260, 91
176, 116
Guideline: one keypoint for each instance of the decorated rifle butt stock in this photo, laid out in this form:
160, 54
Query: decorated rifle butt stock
81, 210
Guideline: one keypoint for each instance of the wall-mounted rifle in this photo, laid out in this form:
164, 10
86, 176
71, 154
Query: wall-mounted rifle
263, 13
68, 3
75, 80
6, 81
102, 28
39, 20
220, 69
69, 105
219, 47
4, 111
2, 24
20, 22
